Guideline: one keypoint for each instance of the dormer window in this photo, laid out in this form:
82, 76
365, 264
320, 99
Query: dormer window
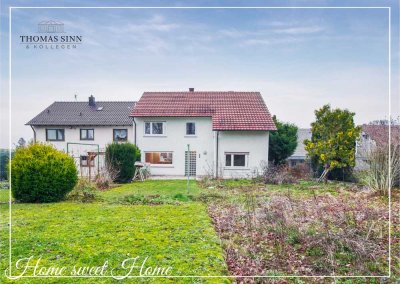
154, 128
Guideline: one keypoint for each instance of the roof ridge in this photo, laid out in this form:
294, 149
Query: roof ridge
96, 102
184, 92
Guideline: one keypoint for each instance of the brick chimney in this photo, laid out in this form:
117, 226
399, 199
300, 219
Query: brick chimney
92, 101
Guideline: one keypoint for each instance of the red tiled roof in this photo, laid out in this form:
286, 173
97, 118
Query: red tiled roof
228, 110
380, 133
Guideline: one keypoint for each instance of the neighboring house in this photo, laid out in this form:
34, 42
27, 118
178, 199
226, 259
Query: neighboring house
84, 129
227, 132
300, 154
373, 136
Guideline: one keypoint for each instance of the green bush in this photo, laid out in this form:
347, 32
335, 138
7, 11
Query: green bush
121, 158
40, 173
84, 191
4, 158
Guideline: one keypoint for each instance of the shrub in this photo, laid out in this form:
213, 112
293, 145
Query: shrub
4, 158
40, 173
84, 191
278, 175
102, 182
122, 157
301, 171
380, 176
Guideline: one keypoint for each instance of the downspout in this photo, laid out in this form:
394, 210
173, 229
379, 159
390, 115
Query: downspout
34, 134
134, 129
216, 162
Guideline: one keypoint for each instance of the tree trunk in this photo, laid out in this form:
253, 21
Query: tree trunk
326, 174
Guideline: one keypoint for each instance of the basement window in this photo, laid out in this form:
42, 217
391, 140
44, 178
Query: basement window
233, 160
85, 161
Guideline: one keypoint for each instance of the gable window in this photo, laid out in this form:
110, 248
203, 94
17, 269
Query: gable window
160, 158
87, 134
55, 135
120, 134
236, 160
154, 128
190, 128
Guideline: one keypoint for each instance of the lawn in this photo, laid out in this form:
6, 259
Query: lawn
164, 191
68, 233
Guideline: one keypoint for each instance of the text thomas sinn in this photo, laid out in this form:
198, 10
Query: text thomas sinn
51, 41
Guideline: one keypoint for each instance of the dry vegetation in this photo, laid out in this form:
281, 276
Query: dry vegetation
305, 229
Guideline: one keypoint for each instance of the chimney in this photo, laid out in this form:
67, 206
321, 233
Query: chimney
92, 101
191, 89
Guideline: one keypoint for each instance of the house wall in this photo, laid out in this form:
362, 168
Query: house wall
204, 143
175, 141
255, 143
103, 135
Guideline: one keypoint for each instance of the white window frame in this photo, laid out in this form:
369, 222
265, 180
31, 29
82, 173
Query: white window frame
164, 126
232, 154
195, 129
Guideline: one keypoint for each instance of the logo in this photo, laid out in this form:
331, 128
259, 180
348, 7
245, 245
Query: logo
50, 27
51, 35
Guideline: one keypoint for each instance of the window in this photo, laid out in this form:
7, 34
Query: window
236, 159
120, 134
87, 134
160, 158
54, 134
190, 128
84, 161
154, 128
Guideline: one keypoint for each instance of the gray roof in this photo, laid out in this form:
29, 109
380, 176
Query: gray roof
300, 152
80, 113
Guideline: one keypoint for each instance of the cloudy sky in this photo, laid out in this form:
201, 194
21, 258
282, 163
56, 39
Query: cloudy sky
299, 59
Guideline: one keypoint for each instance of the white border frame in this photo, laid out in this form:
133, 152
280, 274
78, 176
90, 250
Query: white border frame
196, 7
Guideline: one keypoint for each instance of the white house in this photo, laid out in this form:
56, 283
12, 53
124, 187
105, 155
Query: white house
300, 154
83, 129
224, 134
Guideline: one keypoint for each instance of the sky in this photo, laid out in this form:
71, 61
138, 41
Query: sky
299, 59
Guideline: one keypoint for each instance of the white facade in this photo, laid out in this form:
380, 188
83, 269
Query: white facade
78, 148
166, 152
103, 135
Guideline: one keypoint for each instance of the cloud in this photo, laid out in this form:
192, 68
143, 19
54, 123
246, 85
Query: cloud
274, 33
270, 41
156, 23
300, 30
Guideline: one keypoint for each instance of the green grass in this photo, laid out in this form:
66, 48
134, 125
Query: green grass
87, 234
4, 195
164, 189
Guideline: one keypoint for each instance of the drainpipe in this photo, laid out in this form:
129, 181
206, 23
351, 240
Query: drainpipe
34, 134
134, 129
216, 162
